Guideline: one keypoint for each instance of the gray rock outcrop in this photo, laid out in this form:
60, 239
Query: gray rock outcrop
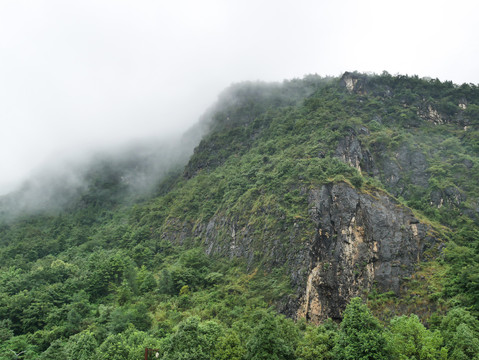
352, 242
362, 240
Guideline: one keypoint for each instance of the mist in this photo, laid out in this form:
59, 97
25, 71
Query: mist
133, 170
80, 78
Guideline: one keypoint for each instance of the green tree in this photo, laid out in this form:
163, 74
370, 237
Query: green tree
137, 341
409, 339
229, 347
193, 340
135, 315
317, 344
166, 284
274, 338
146, 281
81, 346
5, 330
56, 351
19, 347
453, 319
107, 272
461, 334
465, 344
361, 337
114, 347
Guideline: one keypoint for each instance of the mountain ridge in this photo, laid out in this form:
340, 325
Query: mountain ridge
301, 196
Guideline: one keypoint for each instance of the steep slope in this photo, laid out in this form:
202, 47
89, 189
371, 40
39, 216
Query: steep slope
303, 195
285, 161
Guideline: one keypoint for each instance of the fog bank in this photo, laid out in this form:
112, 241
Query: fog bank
75, 76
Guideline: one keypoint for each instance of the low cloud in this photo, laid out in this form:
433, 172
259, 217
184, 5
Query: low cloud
77, 76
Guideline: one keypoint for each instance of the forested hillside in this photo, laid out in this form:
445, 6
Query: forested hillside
318, 218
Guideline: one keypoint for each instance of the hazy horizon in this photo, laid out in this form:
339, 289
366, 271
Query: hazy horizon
81, 76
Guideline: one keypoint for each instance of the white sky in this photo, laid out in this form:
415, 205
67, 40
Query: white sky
75, 75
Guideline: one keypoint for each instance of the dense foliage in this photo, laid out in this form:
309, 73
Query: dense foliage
110, 276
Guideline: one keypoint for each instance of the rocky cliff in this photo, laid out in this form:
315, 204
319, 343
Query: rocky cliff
302, 209
360, 241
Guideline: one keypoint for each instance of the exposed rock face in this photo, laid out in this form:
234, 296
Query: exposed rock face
350, 82
414, 162
408, 166
429, 113
349, 150
450, 195
353, 82
355, 241
361, 241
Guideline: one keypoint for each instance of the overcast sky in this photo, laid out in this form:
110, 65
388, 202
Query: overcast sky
76, 75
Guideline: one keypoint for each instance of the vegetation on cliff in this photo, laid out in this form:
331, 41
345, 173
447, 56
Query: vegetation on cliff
200, 266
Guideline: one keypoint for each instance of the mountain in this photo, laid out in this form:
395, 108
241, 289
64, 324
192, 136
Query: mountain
300, 196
